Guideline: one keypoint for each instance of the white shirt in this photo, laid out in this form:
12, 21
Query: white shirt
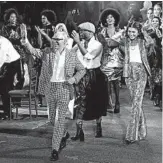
69, 44
58, 70
7, 52
90, 61
135, 54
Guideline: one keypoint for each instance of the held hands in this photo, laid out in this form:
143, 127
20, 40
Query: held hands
75, 36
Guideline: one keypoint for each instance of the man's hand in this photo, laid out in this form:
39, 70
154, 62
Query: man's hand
71, 80
75, 36
23, 31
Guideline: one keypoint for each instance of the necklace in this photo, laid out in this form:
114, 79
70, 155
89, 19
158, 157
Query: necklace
132, 47
133, 44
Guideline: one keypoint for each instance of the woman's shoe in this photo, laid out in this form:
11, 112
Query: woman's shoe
98, 130
78, 136
54, 155
129, 142
117, 108
79, 133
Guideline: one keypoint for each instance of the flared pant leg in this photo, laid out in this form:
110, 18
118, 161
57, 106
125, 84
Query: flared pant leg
136, 128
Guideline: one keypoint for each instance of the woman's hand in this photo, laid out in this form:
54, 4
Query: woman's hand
23, 31
40, 31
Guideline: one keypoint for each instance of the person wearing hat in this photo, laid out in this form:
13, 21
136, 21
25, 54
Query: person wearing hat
91, 92
112, 61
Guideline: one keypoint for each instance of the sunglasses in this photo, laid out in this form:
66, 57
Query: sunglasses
57, 39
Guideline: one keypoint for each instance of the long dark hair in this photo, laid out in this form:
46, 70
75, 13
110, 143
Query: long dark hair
51, 16
137, 25
8, 13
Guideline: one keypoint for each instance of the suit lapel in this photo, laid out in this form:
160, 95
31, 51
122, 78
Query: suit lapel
142, 52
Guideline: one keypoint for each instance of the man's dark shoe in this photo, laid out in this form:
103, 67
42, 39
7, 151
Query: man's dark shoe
54, 156
63, 141
67, 136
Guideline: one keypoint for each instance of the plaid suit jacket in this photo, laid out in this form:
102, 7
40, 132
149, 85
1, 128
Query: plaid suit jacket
73, 67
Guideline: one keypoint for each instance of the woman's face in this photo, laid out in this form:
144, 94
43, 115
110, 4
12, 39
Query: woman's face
149, 14
155, 22
13, 18
44, 20
157, 10
110, 20
132, 33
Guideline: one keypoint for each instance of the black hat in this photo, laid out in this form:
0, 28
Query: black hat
107, 12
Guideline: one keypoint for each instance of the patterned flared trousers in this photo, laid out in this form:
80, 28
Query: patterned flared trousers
136, 82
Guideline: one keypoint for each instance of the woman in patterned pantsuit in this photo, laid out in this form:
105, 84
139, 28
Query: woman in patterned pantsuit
135, 71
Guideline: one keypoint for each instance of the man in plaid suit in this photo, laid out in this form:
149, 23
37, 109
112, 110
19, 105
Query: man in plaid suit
60, 70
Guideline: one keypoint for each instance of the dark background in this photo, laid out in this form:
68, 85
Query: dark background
89, 10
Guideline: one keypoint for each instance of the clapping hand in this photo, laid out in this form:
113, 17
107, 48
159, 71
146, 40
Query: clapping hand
75, 36
40, 31
23, 31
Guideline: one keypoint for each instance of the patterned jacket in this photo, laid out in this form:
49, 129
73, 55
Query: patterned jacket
73, 67
124, 46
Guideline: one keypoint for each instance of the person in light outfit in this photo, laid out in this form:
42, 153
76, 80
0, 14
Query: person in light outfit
61, 69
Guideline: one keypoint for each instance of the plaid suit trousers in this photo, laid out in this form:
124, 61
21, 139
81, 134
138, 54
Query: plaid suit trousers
58, 100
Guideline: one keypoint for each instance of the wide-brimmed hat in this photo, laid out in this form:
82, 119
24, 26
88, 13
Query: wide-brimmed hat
107, 12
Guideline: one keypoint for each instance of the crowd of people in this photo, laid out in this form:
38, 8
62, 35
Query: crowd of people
85, 65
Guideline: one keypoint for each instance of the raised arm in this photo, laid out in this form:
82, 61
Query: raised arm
33, 51
41, 34
90, 53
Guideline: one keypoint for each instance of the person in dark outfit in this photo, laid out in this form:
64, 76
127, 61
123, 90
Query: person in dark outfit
91, 92
9, 66
11, 31
48, 19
